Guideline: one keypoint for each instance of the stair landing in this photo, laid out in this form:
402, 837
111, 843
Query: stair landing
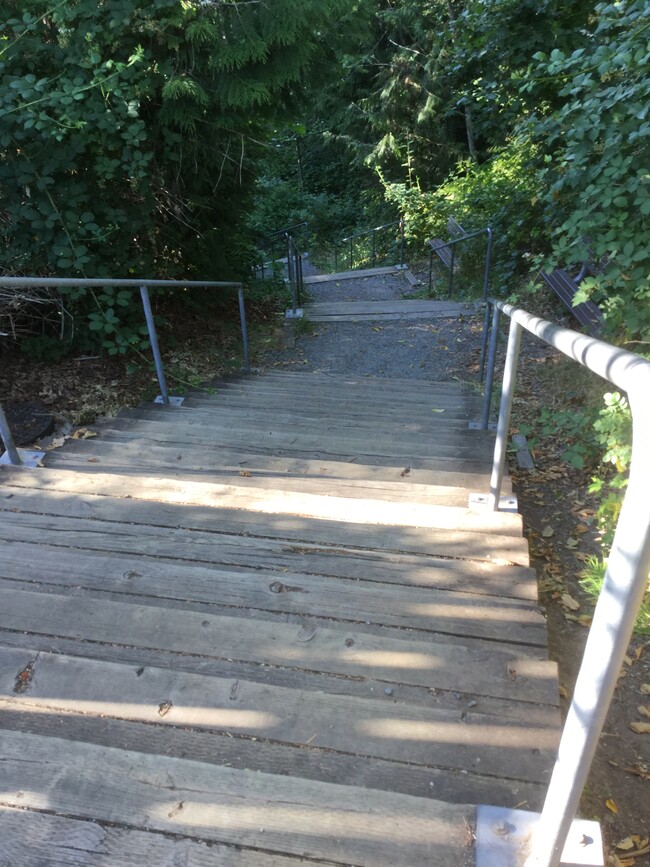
264, 628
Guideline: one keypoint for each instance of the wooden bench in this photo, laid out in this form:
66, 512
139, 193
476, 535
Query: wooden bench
565, 287
445, 253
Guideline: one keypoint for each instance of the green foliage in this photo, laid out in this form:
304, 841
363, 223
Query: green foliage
500, 193
597, 168
592, 582
129, 131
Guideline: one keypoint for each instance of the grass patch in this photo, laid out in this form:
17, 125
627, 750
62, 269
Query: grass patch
591, 581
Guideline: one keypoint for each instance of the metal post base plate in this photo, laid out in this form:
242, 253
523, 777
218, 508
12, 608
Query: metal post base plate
476, 425
481, 501
297, 315
29, 457
503, 839
173, 401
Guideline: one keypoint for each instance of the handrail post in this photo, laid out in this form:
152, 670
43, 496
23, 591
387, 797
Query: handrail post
8, 440
489, 380
624, 587
505, 409
374, 247
244, 329
451, 270
351, 254
300, 277
153, 338
401, 241
488, 263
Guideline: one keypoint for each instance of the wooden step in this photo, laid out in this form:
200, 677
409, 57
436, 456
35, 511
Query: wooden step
204, 425
247, 809
461, 455
170, 463
99, 491
397, 490
326, 505
238, 553
420, 609
359, 274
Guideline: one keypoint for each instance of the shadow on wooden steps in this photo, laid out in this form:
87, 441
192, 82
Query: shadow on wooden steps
222, 644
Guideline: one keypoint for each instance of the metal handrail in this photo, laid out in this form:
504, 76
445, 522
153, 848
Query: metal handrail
349, 239
294, 272
486, 283
287, 230
626, 577
143, 286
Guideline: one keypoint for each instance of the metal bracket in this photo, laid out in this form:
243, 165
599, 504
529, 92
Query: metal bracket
476, 425
481, 501
503, 839
403, 267
297, 315
30, 458
173, 401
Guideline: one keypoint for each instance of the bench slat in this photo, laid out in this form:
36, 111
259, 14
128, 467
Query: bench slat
565, 287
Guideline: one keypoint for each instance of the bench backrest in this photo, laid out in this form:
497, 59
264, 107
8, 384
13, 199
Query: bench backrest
455, 229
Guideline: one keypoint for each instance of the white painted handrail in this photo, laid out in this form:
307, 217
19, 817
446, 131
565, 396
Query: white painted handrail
626, 578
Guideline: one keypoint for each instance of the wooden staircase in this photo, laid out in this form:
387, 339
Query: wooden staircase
264, 628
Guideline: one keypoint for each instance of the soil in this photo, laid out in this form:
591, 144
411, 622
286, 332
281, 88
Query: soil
553, 495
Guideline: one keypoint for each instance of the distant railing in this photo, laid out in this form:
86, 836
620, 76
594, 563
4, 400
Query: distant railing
294, 273
274, 248
366, 254
626, 578
143, 286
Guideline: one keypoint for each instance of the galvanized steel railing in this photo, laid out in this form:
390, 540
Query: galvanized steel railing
294, 273
372, 251
626, 578
143, 286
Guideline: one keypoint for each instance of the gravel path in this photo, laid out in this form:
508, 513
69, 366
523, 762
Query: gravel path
382, 287
440, 349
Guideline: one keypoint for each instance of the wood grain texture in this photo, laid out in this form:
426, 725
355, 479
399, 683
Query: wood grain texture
93, 495
379, 728
503, 671
344, 824
265, 629
271, 556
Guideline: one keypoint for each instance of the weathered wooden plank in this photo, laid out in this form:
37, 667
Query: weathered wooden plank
406, 314
451, 543
279, 500
464, 448
310, 762
388, 729
344, 824
33, 839
394, 306
164, 461
435, 415
359, 274
271, 555
432, 611
519, 713
502, 672
347, 379
398, 490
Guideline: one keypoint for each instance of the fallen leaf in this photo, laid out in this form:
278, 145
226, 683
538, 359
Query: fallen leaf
644, 709
83, 433
640, 769
641, 728
569, 602
571, 543
245, 473
645, 688
564, 692
627, 843
547, 532
611, 805
437, 410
